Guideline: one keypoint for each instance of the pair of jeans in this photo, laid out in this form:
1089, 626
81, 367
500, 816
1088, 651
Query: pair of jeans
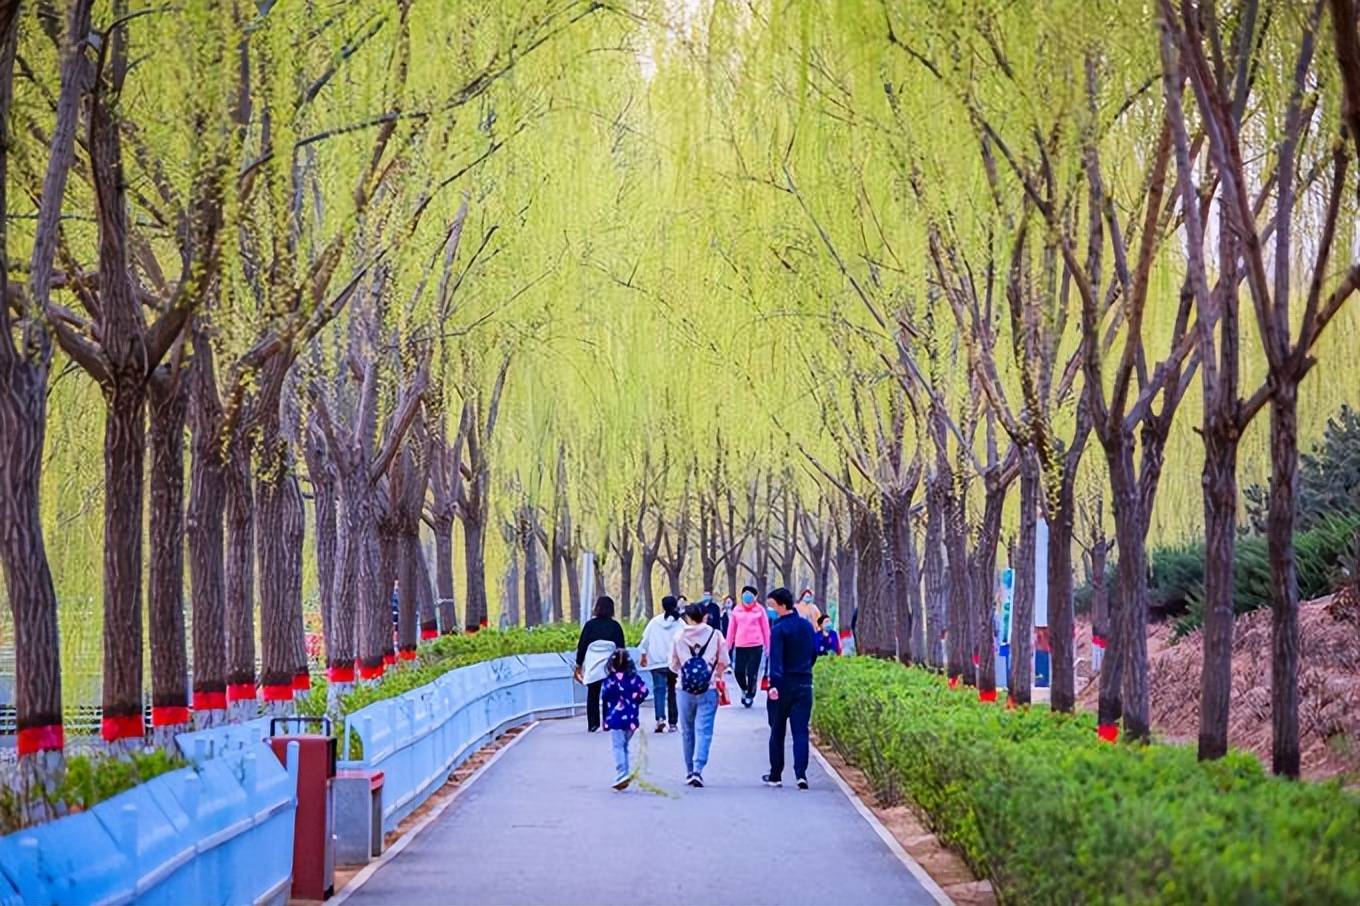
696, 723
593, 705
748, 669
663, 695
793, 709
619, 739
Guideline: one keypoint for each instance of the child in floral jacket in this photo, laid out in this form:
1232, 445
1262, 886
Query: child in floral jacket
622, 692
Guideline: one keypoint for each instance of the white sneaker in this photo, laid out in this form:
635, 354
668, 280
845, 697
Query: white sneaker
622, 782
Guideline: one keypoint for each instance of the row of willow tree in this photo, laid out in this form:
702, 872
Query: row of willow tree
338, 374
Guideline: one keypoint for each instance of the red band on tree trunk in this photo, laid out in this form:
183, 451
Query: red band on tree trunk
32, 740
485, 623
241, 692
1098, 641
126, 727
408, 655
389, 659
427, 634
340, 674
281, 692
953, 682
210, 701
373, 672
169, 715
302, 682
1010, 702
986, 695
1108, 732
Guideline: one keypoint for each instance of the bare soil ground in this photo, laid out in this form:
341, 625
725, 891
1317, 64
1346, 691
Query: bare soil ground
1329, 687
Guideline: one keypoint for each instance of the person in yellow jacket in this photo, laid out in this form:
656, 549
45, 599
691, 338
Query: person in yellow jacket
807, 609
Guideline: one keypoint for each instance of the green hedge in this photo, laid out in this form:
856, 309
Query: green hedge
450, 652
87, 781
1051, 815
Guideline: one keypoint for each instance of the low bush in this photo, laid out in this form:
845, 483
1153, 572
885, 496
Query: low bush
1050, 814
87, 781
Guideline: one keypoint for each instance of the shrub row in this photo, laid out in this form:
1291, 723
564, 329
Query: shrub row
87, 781
450, 652
1038, 805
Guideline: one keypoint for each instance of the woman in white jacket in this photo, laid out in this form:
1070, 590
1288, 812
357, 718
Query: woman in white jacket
657, 641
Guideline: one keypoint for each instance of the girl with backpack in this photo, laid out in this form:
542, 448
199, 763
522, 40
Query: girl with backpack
699, 657
621, 693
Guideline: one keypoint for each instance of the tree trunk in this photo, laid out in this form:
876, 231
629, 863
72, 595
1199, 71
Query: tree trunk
28, 577
959, 653
1061, 618
169, 659
510, 592
475, 563
1123, 681
645, 580
1020, 681
443, 576
626, 582
207, 566
279, 543
573, 585
124, 452
390, 564
1220, 538
1100, 601
936, 582
240, 572
672, 578
533, 604
845, 581
895, 508
557, 574
732, 566
409, 571
984, 583
1284, 586
873, 635
425, 603
324, 501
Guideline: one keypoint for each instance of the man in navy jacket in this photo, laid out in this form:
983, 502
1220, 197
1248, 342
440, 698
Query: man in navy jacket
793, 650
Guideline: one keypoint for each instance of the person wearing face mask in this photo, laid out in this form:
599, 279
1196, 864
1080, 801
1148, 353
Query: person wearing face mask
807, 609
748, 634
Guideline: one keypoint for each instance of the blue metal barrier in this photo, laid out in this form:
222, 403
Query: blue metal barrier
417, 739
220, 832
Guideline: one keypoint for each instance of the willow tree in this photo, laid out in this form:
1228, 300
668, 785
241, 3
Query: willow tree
1269, 276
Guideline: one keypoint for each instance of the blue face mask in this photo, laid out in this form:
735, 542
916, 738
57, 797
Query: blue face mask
747, 597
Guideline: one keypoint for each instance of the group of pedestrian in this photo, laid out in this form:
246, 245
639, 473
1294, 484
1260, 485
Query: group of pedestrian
688, 649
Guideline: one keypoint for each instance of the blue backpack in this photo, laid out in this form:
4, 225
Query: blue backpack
695, 673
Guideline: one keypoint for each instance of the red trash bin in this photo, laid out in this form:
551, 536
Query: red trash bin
314, 825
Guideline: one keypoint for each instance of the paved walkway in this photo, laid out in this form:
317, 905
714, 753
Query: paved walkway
543, 826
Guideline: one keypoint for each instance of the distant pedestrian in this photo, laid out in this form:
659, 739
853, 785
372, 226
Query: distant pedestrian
807, 607
793, 651
748, 637
726, 615
599, 637
699, 658
657, 641
622, 692
828, 639
712, 612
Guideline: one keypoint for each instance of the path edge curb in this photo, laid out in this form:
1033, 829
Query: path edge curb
922, 877
369, 870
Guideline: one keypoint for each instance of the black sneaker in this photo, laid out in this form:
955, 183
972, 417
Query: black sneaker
802, 783
772, 781
696, 781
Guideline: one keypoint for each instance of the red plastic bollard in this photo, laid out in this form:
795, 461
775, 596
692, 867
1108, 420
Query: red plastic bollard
313, 828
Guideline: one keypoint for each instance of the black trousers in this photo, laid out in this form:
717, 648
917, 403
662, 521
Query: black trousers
593, 705
792, 710
747, 668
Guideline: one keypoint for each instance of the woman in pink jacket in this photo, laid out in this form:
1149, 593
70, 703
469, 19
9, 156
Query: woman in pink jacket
748, 634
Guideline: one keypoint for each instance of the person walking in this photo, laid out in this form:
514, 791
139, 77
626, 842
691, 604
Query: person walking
748, 637
807, 607
699, 658
793, 651
712, 612
828, 639
622, 692
599, 637
657, 641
